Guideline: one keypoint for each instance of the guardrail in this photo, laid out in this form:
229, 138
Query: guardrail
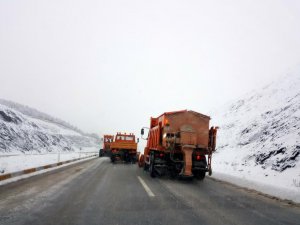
35, 169
47, 153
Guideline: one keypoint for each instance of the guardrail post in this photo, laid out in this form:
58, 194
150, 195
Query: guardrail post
58, 156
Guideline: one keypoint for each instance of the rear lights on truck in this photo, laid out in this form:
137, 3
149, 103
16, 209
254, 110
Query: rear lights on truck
160, 155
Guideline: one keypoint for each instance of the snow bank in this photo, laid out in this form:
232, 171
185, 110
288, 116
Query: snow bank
14, 163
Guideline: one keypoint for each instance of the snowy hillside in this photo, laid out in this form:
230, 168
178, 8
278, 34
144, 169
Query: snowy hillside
259, 136
23, 129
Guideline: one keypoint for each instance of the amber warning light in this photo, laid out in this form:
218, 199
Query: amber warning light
167, 122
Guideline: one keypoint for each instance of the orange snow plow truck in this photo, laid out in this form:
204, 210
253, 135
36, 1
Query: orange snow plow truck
124, 148
179, 144
107, 140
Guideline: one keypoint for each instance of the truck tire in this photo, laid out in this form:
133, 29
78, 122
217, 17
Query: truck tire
200, 175
134, 159
172, 172
112, 158
151, 166
146, 167
151, 169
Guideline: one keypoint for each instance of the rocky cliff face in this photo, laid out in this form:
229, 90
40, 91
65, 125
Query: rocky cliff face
24, 133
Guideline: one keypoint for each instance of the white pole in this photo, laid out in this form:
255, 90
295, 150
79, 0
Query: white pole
58, 155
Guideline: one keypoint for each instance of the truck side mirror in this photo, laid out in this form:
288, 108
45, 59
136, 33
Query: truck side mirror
142, 131
138, 140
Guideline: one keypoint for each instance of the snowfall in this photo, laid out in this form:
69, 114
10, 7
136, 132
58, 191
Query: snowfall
258, 144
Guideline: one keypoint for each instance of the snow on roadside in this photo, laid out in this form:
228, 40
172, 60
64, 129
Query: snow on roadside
282, 185
14, 163
235, 163
25, 176
264, 187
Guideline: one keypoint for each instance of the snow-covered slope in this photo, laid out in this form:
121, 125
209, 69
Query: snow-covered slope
39, 132
259, 135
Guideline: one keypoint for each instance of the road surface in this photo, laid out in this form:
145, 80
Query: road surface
98, 192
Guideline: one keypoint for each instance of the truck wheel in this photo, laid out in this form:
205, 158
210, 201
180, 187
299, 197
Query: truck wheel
151, 170
210, 172
112, 158
133, 159
200, 175
146, 168
173, 173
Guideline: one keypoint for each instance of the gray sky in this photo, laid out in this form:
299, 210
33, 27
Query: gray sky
107, 66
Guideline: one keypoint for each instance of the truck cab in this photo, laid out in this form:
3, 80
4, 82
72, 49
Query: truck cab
124, 148
106, 150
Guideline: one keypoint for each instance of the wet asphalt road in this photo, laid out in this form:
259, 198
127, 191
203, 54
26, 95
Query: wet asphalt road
98, 192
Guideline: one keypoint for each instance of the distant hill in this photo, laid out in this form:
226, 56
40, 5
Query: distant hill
26, 129
34, 113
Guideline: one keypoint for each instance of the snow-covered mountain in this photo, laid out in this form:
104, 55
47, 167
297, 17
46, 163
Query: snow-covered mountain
259, 135
23, 129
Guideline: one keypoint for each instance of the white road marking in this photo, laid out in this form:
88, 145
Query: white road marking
145, 186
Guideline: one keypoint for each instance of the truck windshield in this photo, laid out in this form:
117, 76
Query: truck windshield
129, 138
125, 138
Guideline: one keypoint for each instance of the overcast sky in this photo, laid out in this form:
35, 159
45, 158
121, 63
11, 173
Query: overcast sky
107, 66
